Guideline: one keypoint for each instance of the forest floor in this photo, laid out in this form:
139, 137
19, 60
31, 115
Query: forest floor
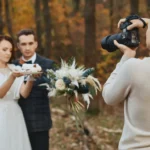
101, 132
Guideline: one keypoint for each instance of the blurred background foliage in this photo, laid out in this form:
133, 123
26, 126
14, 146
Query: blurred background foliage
74, 28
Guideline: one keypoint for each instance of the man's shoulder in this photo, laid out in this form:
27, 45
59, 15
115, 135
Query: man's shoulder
44, 59
45, 62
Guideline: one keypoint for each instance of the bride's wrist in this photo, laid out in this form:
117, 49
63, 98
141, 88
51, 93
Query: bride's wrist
12, 76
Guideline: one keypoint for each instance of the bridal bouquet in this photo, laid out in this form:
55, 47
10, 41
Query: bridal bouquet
75, 83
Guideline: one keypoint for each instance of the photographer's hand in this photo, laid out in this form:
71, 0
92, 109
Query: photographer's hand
126, 50
136, 23
121, 21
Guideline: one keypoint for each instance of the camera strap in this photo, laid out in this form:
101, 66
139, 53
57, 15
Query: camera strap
144, 23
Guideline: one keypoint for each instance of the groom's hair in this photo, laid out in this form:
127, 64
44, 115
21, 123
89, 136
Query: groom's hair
26, 32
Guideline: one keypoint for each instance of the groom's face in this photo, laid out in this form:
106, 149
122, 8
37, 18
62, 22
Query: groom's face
27, 45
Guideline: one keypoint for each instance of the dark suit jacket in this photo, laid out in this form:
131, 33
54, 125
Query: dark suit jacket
36, 107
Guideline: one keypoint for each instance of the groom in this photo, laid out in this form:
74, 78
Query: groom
36, 107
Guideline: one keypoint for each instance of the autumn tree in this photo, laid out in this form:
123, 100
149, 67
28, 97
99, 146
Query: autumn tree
116, 6
1, 18
148, 7
8, 17
134, 6
38, 20
47, 23
66, 22
76, 5
90, 29
111, 15
90, 42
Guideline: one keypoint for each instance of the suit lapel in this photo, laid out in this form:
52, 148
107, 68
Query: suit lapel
38, 59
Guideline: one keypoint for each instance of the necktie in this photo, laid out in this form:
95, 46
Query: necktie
28, 62
21, 61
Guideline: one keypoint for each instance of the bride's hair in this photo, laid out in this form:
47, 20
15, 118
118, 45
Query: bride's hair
9, 39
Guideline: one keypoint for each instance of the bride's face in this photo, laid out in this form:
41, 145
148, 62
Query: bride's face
5, 51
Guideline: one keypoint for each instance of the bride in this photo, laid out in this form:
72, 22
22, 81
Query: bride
13, 132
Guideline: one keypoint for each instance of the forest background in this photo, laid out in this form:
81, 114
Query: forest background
74, 28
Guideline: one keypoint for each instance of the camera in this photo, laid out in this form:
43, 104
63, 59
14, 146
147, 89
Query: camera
129, 38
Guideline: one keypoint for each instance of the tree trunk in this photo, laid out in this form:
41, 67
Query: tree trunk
8, 18
67, 21
111, 14
116, 6
76, 6
1, 19
90, 43
134, 6
90, 37
148, 7
38, 26
47, 22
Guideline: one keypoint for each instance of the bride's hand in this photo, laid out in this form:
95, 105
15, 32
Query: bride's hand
37, 75
16, 74
33, 77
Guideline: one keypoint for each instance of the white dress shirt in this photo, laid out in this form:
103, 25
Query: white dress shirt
33, 58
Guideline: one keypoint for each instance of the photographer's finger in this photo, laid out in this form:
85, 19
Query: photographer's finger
131, 26
116, 43
135, 24
120, 46
120, 22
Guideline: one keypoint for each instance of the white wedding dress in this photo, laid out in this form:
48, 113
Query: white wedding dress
13, 132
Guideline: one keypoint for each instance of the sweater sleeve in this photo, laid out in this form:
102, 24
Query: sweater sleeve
118, 85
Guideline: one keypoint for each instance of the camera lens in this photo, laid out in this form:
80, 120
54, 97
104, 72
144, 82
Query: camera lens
108, 42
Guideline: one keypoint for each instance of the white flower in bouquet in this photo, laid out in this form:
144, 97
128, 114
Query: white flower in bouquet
62, 73
60, 85
75, 73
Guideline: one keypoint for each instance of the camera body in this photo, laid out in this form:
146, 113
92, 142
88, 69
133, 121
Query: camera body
129, 38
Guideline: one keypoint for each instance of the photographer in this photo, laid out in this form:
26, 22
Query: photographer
130, 82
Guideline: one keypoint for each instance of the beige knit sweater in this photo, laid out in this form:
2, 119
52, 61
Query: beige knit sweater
130, 82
